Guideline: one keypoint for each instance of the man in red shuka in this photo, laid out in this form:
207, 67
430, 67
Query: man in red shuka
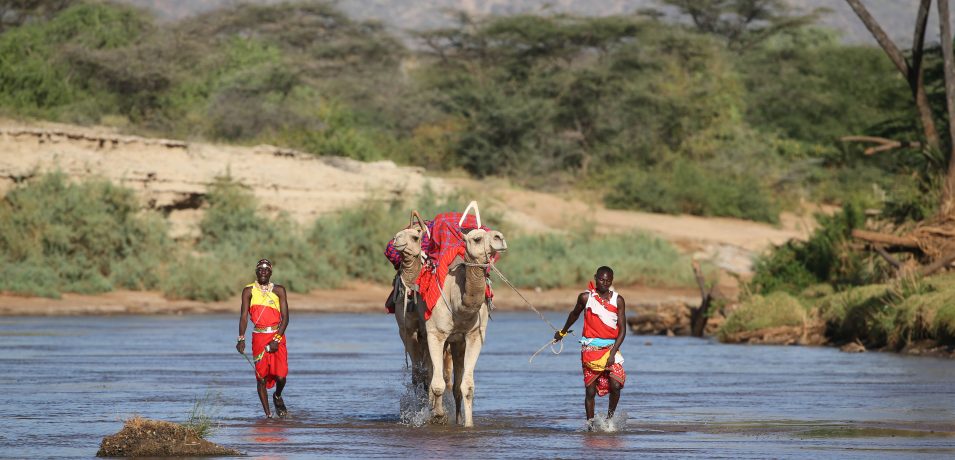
268, 305
605, 326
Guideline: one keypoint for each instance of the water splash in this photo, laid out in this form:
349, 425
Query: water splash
603, 424
413, 406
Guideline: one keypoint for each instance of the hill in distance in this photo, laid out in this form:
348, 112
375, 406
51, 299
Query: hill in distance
895, 16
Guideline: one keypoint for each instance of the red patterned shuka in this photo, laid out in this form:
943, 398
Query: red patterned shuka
600, 332
266, 317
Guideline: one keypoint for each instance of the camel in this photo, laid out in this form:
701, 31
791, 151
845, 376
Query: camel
411, 323
459, 322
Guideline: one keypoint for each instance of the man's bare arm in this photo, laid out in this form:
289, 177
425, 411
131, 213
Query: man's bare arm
572, 317
283, 305
244, 317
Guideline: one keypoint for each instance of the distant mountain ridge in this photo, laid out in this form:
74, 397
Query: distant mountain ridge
897, 17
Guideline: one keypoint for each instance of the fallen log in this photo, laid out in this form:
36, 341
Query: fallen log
884, 239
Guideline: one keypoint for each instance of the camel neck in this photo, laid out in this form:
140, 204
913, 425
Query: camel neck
410, 268
474, 285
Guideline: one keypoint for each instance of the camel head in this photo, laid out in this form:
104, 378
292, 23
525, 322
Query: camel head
408, 242
483, 244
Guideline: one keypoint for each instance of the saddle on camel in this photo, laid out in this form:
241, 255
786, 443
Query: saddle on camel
441, 244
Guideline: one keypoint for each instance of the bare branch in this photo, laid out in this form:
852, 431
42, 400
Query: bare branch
888, 257
918, 41
938, 264
884, 144
880, 36
913, 73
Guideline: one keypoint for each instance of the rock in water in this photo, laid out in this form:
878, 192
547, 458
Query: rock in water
141, 437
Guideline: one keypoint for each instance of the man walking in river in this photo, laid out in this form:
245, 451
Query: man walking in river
605, 326
268, 306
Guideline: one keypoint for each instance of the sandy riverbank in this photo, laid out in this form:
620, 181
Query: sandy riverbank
354, 298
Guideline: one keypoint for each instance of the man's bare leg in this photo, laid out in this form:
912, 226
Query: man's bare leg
614, 397
589, 396
263, 397
280, 409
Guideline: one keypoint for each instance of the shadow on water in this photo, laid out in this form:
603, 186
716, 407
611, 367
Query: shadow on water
348, 394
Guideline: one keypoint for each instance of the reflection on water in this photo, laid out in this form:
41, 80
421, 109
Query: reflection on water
75, 379
264, 431
604, 443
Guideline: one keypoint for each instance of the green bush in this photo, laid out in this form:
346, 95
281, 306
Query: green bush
759, 312
825, 258
81, 237
35, 74
234, 234
687, 188
552, 260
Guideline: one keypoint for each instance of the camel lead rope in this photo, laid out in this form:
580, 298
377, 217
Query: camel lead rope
551, 344
553, 341
505, 280
251, 364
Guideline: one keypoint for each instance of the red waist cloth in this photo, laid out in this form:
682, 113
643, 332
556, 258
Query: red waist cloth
269, 366
590, 354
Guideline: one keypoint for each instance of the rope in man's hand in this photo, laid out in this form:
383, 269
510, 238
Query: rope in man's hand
551, 344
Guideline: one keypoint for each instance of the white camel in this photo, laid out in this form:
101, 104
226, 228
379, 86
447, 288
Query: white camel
459, 322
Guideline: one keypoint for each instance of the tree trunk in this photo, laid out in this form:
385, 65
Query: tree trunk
699, 316
948, 190
912, 74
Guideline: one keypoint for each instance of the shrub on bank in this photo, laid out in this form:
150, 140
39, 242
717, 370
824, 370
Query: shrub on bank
552, 260
825, 258
760, 312
892, 315
91, 237
57, 236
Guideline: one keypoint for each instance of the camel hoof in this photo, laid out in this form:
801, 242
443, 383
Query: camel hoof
439, 419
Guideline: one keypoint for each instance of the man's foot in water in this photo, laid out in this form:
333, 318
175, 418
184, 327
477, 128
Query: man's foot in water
280, 409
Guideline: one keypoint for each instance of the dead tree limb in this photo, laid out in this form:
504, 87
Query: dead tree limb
940, 263
884, 144
883, 239
699, 315
888, 257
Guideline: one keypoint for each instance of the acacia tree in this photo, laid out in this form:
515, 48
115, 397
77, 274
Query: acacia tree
14, 13
931, 239
742, 23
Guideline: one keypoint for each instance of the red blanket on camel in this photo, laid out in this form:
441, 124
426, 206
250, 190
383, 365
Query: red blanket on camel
446, 244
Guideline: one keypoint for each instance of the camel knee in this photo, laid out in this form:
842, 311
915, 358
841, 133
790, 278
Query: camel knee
438, 387
467, 388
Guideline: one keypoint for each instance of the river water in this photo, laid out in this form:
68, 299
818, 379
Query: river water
68, 382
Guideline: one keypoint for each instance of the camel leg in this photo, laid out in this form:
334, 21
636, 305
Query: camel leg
472, 349
457, 355
424, 361
436, 393
448, 364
